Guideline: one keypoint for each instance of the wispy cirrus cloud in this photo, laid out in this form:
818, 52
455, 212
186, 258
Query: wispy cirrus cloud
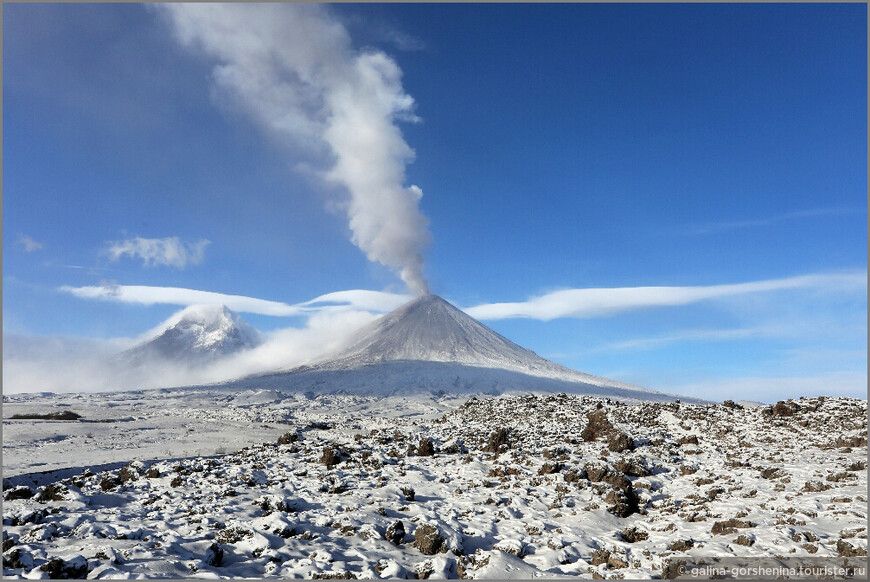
28, 244
694, 335
587, 303
170, 251
356, 299
570, 303
724, 226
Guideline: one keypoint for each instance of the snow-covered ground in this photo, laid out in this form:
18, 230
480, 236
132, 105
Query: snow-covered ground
498, 487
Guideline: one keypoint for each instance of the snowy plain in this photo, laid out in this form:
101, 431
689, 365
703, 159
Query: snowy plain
193, 483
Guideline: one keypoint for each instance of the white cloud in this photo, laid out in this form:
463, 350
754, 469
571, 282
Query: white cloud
290, 347
78, 364
29, 244
40, 364
587, 303
575, 303
169, 251
355, 299
57, 364
293, 69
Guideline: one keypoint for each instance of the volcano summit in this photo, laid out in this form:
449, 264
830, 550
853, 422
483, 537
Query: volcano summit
194, 337
428, 345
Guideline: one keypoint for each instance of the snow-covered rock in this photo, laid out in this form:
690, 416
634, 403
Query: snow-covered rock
762, 486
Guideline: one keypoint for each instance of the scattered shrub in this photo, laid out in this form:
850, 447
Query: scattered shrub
234, 534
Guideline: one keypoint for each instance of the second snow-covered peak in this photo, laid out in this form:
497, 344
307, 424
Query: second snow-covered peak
195, 335
211, 326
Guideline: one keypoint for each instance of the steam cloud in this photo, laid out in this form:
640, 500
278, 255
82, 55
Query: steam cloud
39, 364
293, 68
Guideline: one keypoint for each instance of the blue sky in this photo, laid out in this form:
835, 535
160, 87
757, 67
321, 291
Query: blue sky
639, 148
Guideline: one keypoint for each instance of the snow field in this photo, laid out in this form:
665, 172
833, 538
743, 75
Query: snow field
513, 490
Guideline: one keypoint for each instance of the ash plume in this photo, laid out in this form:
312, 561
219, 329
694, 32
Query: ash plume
293, 68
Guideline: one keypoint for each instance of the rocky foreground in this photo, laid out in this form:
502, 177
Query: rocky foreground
521, 487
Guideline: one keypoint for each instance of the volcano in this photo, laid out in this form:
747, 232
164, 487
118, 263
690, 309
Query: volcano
430, 346
195, 336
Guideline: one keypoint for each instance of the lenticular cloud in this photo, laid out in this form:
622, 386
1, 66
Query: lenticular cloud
292, 67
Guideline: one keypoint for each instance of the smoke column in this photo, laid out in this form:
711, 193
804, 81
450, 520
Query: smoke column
293, 69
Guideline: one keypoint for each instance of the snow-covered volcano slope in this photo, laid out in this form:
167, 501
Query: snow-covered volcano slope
429, 328
428, 345
197, 335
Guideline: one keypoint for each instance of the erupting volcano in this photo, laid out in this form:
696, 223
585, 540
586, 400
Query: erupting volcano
428, 345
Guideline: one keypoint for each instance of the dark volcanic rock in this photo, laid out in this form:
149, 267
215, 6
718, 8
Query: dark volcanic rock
214, 555
623, 502
409, 493
52, 492
682, 546
18, 492
395, 532
428, 540
18, 559
66, 569
330, 457
729, 526
425, 448
619, 442
783, 408
597, 427
847, 550
633, 535
288, 437
498, 441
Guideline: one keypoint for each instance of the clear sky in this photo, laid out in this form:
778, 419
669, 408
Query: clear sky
670, 195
